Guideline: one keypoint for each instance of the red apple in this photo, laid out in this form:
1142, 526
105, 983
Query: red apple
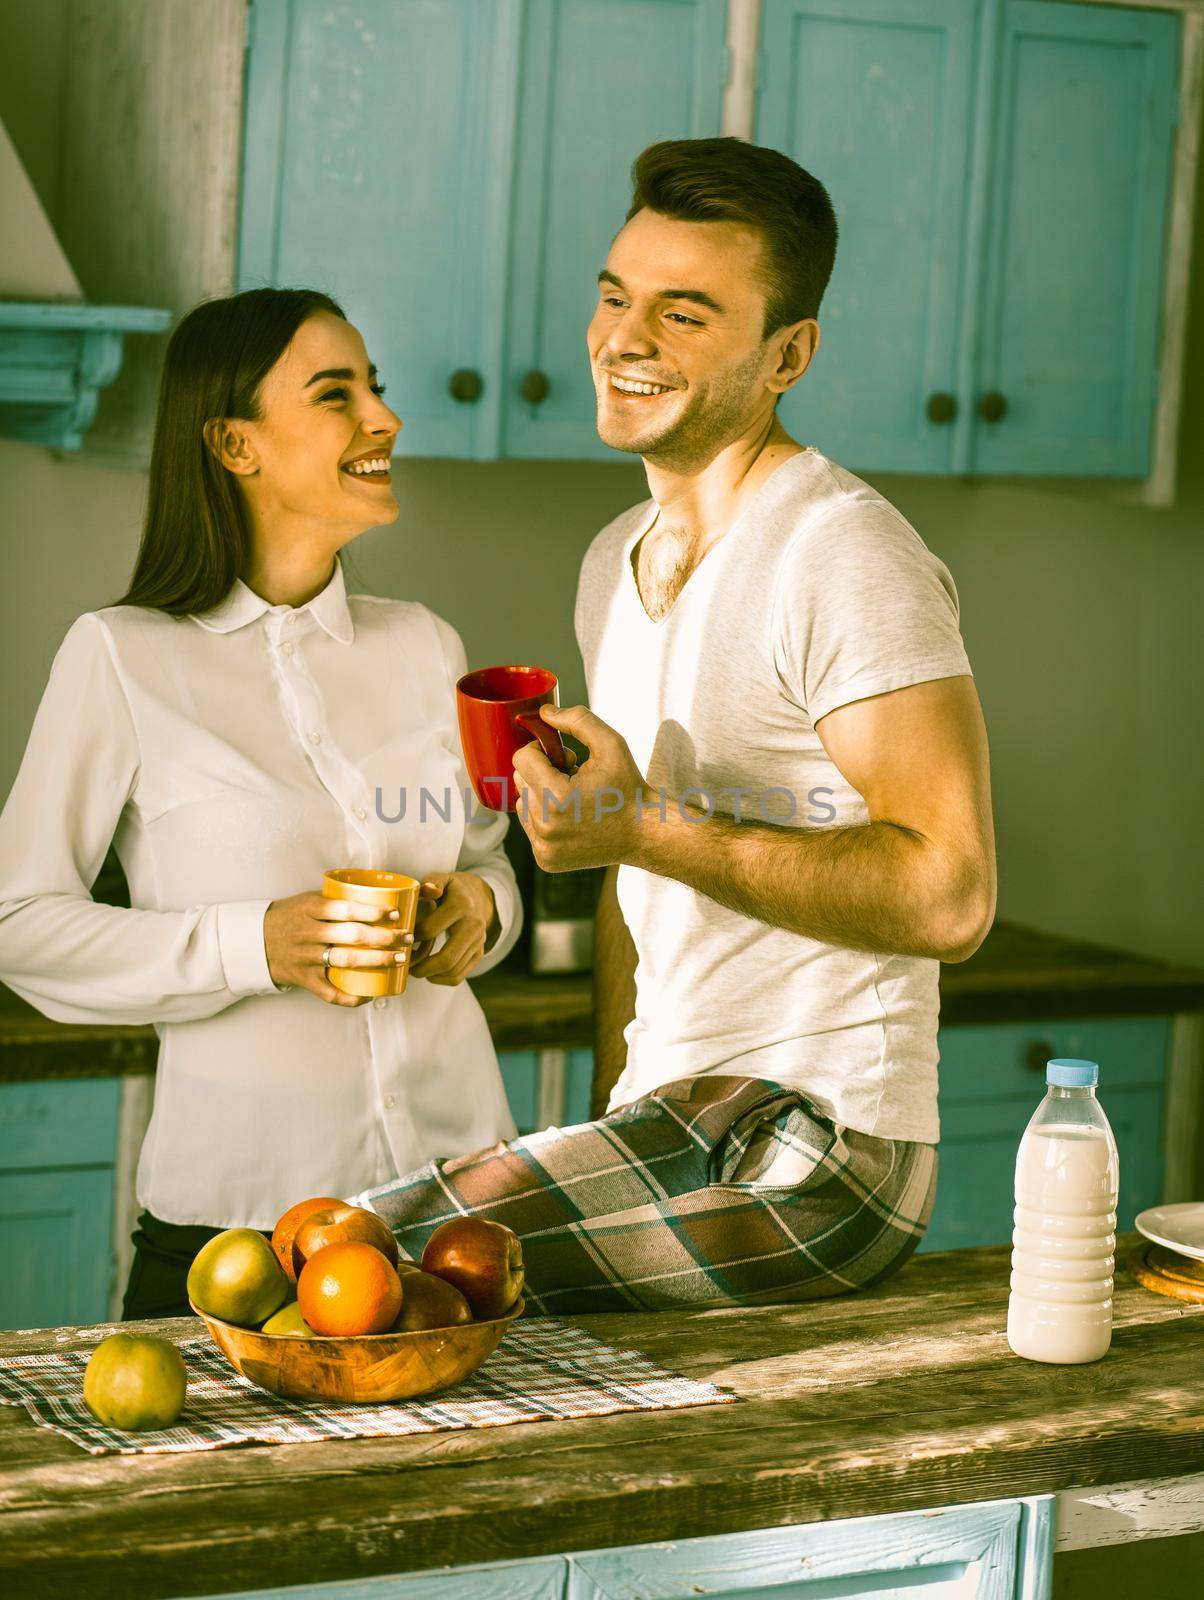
428, 1302
483, 1259
341, 1225
285, 1230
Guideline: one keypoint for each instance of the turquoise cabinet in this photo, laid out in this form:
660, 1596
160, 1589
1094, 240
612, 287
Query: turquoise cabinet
376, 151
601, 79
541, 1578
57, 1147
578, 1087
991, 1550
1000, 171
1073, 264
874, 97
522, 1075
453, 171
992, 1078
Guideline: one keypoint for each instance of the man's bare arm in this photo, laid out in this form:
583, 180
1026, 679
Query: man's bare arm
614, 993
918, 879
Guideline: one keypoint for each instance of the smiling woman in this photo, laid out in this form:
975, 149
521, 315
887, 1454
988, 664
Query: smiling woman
324, 436
225, 726
236, 429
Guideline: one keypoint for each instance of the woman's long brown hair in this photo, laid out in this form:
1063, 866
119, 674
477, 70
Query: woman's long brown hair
194, 537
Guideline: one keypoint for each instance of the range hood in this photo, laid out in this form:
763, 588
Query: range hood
57, 352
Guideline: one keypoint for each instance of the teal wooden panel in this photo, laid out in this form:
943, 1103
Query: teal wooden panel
376, 167
539, 1578
988, 1060
874, 98
976, 1177
57, 1227
953, 1553
601, 79
993, 1550
578, 1085
59, 1123
1087, 112
1035, 1557
520, 1076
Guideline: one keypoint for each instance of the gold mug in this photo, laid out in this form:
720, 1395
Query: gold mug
391, 890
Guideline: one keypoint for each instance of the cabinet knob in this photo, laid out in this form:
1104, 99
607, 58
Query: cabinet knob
1038, 1055
465, 385
941, 407
535, 386
992, 407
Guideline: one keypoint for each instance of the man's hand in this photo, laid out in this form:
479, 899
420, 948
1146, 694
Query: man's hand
462, 904
587, 817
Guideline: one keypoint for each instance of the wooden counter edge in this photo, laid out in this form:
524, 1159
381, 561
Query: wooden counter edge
1022, 974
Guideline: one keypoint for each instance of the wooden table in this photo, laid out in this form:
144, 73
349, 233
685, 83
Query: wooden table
898, 1399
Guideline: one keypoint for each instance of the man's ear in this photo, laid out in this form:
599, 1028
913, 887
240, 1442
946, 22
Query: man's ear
796, 347
230, 445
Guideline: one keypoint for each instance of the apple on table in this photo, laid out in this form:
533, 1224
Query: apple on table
342, 1225
483, 1259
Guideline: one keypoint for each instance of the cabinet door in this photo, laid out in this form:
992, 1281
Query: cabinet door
601, 79
57, 1227
578, 1086
958, 1553
991, 1082
520, 1078
523, 1073
58, 1142
540, 1578
378, 142
873, 97
1087, 109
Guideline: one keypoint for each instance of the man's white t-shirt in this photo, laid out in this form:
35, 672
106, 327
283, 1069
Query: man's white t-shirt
821, 593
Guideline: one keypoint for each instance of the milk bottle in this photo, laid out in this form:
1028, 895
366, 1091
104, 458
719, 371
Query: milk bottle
1067, 1175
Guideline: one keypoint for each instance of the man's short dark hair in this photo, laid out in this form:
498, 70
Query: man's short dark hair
728, 180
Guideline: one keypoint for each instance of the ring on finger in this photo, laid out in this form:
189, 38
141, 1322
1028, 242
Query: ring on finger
326, 961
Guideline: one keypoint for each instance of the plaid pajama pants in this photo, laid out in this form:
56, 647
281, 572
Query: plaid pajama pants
709, 1191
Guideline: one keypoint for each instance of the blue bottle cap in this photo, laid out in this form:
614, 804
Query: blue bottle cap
1068, 1073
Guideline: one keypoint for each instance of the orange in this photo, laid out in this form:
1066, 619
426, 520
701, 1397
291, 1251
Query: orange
348, 1289
286, 1229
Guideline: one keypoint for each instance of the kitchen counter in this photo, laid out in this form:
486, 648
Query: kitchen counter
1018, 973
895, 1399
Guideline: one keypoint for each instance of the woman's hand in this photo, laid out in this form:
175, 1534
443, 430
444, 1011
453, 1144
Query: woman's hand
461, 903
296, 931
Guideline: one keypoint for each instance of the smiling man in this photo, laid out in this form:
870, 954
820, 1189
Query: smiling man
787, 780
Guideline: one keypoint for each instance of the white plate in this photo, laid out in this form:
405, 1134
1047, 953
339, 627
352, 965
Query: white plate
1179, 1227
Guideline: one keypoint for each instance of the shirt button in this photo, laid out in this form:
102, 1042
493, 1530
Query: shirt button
287, 648
315, 738
389, 1102
380, 1004
290, 616
360, 812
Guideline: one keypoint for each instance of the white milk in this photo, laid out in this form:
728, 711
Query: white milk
1063, 1244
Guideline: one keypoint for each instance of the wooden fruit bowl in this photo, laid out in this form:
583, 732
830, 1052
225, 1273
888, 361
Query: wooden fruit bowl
371, 1367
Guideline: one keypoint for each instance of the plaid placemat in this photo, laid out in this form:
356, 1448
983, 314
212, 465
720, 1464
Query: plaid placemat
544, 1368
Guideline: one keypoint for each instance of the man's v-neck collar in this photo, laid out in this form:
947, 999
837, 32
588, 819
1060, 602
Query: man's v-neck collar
646, 524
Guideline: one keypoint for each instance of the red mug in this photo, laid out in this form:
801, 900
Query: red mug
499, 713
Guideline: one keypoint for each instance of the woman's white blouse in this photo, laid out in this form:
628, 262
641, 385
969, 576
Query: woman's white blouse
231, 758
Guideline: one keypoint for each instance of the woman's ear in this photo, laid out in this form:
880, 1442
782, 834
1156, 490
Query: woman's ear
230, 445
